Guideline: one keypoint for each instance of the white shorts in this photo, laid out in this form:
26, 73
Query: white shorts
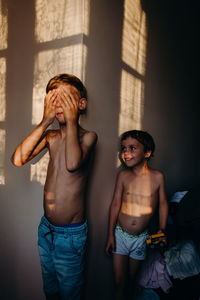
131, 245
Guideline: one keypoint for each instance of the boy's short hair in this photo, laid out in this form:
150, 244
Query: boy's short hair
143, 137
67, 79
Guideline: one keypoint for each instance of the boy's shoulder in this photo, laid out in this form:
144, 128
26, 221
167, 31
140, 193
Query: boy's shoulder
123, 173
88, 137
157, 174
53, 133
53, 136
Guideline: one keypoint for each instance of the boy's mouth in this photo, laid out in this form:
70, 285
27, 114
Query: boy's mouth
128, 159
59, 113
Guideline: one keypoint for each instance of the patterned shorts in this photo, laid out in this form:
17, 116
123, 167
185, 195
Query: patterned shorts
131, 245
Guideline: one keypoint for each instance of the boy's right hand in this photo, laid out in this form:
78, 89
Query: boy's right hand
110, 247
50, 106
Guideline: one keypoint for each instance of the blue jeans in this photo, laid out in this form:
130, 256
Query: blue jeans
62, 253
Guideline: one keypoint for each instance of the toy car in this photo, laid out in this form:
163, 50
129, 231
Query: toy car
158, 239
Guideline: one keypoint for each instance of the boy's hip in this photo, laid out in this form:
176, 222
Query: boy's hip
73, 228
66, 240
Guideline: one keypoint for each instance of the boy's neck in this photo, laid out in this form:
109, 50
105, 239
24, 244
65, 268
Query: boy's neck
64, 126
141, 169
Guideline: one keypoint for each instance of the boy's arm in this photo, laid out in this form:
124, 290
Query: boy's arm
163, 205
114, 212
37, 140
75, 152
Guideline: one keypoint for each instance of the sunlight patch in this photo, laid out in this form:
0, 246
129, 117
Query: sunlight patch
134, 36
3, 25
39, 170
131, 108
60, 19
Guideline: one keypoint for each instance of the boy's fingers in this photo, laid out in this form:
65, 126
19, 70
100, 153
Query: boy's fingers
108, 251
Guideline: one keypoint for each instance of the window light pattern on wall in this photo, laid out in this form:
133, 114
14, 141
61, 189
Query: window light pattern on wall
133, 71
3, 25
60, 19
131, 107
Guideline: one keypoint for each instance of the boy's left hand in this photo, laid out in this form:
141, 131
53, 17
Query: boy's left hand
69, 101
161, 231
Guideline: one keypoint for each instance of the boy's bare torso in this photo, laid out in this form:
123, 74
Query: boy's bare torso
64, 191
139, 200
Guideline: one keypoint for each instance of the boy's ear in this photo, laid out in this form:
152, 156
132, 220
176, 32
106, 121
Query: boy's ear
148, 154
82, 103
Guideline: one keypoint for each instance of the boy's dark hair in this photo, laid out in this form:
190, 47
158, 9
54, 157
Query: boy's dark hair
67, 79
143, 137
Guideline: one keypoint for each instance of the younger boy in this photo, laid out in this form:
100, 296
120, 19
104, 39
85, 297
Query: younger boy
63, 229
138, 190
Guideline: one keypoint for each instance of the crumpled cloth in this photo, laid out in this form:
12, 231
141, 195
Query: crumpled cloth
153, 273
182, 260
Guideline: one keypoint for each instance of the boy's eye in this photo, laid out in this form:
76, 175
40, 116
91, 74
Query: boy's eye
132, 148
123, 148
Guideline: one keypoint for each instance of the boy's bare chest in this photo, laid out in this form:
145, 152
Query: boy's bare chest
57, 153
141, 190
139, 198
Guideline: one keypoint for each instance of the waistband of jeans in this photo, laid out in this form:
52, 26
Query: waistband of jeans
144, 233
72, 227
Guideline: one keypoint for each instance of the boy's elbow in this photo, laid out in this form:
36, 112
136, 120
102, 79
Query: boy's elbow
16, 162
73, 164
72, 167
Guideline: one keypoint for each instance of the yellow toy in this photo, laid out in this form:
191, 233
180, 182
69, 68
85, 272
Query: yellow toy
159, 239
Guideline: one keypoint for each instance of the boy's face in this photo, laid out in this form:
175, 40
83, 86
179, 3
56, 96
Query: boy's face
132, 152
70, 91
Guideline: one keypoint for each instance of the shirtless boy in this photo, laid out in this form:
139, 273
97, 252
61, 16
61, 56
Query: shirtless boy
137, 192
62, 231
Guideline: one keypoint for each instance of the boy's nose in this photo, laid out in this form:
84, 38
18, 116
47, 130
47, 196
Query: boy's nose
58, 104
127, 151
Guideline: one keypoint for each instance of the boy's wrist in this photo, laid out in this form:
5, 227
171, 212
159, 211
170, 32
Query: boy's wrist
111, 233
45, 123
161, 230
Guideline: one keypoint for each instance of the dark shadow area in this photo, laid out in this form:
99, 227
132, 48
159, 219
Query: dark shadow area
171, 89
171, 114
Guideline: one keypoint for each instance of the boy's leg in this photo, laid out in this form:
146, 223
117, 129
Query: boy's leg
120, 264
137, 255
134, 266
69, 260
45, 248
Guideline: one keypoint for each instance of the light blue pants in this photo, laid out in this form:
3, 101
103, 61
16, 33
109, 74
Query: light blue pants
62, 253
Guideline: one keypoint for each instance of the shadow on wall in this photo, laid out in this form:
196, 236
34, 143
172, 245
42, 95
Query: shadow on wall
171, 89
